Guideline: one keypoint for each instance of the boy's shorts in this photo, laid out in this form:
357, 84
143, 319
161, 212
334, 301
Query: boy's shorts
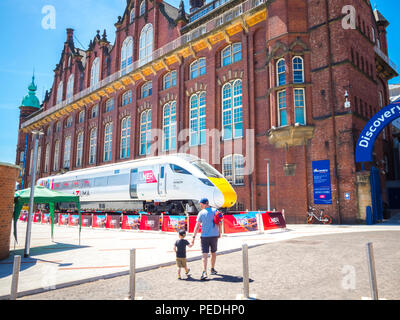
181, 262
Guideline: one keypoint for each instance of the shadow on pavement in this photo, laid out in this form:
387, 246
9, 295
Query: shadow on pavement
218, 277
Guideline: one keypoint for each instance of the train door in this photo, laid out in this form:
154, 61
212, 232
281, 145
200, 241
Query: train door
162, 181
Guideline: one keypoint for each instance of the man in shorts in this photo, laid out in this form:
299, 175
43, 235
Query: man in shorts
210, 233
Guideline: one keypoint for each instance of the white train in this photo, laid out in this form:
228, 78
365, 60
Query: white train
173, 183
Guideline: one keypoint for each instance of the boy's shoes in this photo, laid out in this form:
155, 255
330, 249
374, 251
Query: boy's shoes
203, 276
179, 278
213, 271
188, 272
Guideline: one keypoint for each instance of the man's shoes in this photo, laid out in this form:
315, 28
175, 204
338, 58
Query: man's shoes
203, 276
188, 272
213, 271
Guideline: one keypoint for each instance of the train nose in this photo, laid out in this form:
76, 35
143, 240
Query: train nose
218, 198
229, 196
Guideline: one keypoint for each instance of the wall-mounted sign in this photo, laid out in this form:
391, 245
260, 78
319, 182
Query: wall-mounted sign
322, 182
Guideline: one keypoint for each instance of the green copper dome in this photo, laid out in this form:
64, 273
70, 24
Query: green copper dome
30, 99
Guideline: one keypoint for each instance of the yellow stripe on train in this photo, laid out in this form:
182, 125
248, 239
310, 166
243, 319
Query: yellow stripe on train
229, 194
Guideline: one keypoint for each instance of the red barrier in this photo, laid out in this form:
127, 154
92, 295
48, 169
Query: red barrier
192, 224
237, 223
86, 220
23, 216
73, 220
113, 222
130, 222
63, 219
37, 217
46, 218
99, 221
173, 223
273, 220
150, 223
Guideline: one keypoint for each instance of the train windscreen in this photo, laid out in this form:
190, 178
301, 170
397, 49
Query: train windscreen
208, 170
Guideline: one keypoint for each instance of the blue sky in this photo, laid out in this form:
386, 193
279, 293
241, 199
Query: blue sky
26, 45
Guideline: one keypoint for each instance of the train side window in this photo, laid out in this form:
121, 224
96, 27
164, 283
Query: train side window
100, 181
178, 169
133, 184
162, 173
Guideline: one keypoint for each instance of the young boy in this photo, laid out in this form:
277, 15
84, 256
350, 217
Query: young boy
180, 249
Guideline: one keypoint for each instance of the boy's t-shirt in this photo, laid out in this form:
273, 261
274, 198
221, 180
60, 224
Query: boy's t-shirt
181, 248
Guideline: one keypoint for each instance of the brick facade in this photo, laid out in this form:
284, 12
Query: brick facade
335, 61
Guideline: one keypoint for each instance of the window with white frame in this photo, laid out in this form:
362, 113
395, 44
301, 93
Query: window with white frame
95, 72
170, 80
142, 8
282, 114
67, 153
197, 120
233, 169
147, 89
108, 141
127, 52
56, 159
110, 105
232, 110
299, 106
169, 126
231, 54
127, 98
70, 86
60, 90
146, 44
81, 116
145, 132
69, 122
125, 137
280, 72
58, 126
93, 146
298, 70
47, 158
132, 15
94, 112
39, 159
198, 68
79, 149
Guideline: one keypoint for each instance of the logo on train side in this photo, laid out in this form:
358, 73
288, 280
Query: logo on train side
149, 176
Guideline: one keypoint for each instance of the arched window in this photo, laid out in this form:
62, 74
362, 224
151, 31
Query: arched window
81, 116
79, 149
95, 72
70, 86
109, 105
232, 110
108, 141
231, 54
282, 114
47, 158
127, 98
233, 169
147, 89
280, 71
132, 15
145, 132
95, 111
67, 153
146, 44
125, 137
169, 80
169, 126
298, 70
58, 126
142, 8
60, 90
198, 68
299, 106
93, 146
197, 120
127, 53
69, 122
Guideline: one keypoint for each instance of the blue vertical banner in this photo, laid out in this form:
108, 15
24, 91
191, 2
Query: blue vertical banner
322, 182
24, 168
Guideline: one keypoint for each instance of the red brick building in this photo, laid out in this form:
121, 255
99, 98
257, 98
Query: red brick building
292, 81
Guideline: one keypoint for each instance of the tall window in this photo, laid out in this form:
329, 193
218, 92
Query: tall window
282, 115
125, 137
142, 8
299, 107
67, 153
233, 169
231, 54
79, 149
70, 86
298, 70
127, 98
198, 68
280, 71
145, 132
110, 105
93, 146
47, 158
95, 111
108, 141
60, 90
132, 15
197, 121
95, 72
147, 89
127, 53
232, 110
69, 122
81, 117
31, 163
146, 44
39, 159
170, 80
58, 126
56, 155
169, 126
